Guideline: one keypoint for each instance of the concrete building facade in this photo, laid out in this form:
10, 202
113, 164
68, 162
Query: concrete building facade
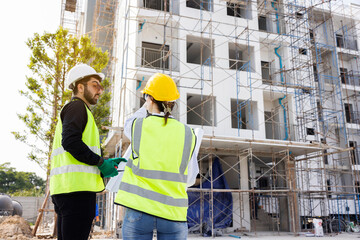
273, 84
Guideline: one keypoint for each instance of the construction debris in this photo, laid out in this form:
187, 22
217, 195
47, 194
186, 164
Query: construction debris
15, 227
102, 234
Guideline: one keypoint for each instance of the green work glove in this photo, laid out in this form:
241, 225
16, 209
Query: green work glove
117, 160
109, 168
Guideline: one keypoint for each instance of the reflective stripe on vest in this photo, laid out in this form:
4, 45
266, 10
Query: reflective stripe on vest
74, 168
181, 202
61, 150
155, 174
67, 174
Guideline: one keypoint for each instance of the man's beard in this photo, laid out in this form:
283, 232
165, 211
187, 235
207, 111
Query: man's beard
89, 97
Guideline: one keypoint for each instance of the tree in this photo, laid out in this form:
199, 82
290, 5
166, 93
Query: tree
52, 56
20, 183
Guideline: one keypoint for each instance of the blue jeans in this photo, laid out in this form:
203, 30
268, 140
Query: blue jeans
139, 225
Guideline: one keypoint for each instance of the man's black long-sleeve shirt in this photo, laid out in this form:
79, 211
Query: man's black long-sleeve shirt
74, 120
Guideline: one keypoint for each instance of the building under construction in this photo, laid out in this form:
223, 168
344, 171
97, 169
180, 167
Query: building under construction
275, 85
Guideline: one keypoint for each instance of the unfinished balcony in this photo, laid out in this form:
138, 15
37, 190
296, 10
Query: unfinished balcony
244, 114
206, 5
279, 131
325, 72
240, 56
321, 31
351, 116
350, 78
201, 110
266, 72
199, 50
157, 56
347, 42
70, 5
274, 76
277, 115
270, 17
161, 5
239, 9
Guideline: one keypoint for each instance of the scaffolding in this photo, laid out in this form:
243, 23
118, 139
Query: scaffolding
72, 16
103, 32
102, 29
275, 86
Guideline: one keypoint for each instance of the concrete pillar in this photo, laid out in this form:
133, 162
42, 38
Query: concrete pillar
293, 197
244, 185
283, 200
252, 172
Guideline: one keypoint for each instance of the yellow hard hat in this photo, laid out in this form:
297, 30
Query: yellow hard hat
162, 87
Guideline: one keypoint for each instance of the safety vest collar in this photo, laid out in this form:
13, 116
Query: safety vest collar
155, 196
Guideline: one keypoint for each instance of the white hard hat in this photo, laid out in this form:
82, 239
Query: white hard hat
80, 72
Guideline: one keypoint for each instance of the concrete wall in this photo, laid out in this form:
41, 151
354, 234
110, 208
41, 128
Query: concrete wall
31, 205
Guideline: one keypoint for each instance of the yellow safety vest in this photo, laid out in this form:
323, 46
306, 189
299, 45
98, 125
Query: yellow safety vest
70, 175
155, 176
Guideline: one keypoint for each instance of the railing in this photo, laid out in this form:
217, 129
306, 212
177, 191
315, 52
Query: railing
346, 42
328, 78
351, 44
155, 58
274, 76
240, 65
352, 78
269, 204
200, 4
267, 24
162, 5
323, 38
275, 130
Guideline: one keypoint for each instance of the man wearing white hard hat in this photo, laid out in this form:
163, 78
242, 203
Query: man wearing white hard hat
76, 162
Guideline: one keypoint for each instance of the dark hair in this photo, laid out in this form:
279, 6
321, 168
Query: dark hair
162, 105
84, 81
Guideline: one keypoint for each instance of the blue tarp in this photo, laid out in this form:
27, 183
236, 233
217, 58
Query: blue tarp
222, 203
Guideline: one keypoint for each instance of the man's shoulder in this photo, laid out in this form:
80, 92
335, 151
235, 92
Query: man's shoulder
75, 106
75, 103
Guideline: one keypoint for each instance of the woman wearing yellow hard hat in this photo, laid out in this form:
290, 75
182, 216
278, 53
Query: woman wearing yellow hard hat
161, 167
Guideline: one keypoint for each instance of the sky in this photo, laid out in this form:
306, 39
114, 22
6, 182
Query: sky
19, 20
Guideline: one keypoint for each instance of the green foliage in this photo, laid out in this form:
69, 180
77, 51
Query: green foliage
20, 183
52, 56
34, 192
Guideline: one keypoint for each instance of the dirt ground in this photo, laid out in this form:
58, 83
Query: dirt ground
281, 236
267, 236
14, 228
271, 236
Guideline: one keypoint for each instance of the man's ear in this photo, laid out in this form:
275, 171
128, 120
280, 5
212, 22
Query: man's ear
80, 87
